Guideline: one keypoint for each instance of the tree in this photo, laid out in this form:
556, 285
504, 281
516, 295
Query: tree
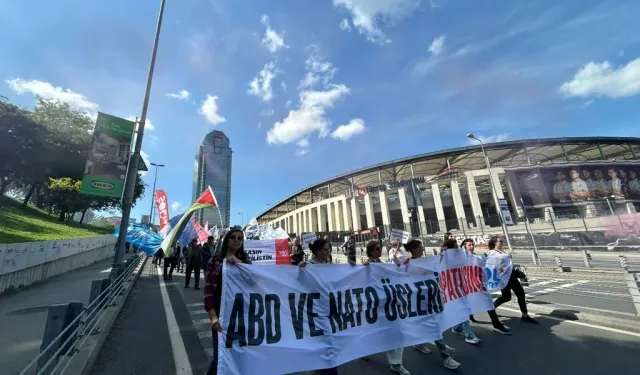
22, 144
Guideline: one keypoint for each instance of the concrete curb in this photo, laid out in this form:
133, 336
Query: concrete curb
87, 354
610, 319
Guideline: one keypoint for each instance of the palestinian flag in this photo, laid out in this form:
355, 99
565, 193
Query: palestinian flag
206, 200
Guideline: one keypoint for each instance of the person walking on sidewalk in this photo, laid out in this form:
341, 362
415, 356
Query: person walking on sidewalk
170, 262
496, 244
193, 261
207, 250
232, 250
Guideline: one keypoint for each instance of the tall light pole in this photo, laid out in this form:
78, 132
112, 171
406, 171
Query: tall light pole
155, 178
493, 193
241, 218
132, 173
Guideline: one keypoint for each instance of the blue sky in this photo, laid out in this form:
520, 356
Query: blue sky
308, 89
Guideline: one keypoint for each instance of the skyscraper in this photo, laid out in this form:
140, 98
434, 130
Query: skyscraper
212, 167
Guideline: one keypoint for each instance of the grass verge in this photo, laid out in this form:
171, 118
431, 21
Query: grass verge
31, 224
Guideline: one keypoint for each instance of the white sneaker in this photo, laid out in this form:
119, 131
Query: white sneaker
451, 363
473, 341
422, 348
399, 369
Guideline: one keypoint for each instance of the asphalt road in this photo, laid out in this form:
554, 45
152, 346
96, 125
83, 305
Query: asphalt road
23, 315
598, 291
599, 259
139, 342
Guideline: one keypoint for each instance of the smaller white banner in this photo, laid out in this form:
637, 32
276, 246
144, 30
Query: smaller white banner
268, 251
308, 238
497, 270
399, 235
506, 214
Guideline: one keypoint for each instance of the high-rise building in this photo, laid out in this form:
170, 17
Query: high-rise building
212, 167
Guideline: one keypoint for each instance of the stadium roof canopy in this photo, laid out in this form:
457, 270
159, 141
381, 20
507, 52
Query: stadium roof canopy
523, 152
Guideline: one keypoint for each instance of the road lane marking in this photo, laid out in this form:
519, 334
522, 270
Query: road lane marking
198, 312
555, 288
615, 330
199, 304
205, 334
180, 357
201, 321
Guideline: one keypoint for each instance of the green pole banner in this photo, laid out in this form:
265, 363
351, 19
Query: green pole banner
106, 167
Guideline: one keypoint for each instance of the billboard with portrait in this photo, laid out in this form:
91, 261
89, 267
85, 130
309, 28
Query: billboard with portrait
575, 184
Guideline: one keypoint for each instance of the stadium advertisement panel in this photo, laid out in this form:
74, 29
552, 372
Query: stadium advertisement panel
575, 184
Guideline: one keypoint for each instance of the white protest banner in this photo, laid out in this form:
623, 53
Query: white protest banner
326, 315
498, 270
461, 283
399, 235
268, 251
308, 238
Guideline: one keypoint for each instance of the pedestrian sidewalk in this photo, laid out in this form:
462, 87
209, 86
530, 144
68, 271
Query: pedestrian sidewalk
23, 315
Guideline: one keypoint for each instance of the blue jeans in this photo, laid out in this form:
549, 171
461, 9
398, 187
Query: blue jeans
465, 329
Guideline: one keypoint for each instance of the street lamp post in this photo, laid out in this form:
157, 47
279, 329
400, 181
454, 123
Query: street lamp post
132, 173
241, 218
493, 192
155, 178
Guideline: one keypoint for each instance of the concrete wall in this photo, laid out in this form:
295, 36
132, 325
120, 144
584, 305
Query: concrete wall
28, 262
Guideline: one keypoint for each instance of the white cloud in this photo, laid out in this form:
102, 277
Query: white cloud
303, 147
318, 71
288, 104
181, 95
48, 91
267, 112
490, 139
344, 132
283, 84
437, 45
148, 124
260, 85
344, 25
317, 95
272, 40
368, 14
309, 117
209, 109
176, 207
603, 79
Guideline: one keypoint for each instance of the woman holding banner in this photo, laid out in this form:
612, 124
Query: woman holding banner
394, 357
469, 245
320, 251
495, 248
232, 250
417, 250
463, 328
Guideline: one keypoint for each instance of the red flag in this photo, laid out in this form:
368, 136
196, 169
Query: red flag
207, 198
282, 252
163, 208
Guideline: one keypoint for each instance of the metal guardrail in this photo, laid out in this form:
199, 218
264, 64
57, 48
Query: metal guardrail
79, 324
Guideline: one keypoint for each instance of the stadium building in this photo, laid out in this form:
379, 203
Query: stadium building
555, 185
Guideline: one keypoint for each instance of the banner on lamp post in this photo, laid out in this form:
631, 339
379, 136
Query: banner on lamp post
106, 166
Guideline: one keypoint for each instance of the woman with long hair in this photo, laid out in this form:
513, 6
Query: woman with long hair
496, 244
417, 250
232, 250
394, 356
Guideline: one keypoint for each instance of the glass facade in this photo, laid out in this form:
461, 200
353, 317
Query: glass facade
212, 167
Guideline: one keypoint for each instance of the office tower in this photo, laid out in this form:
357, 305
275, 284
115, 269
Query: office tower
212, 167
